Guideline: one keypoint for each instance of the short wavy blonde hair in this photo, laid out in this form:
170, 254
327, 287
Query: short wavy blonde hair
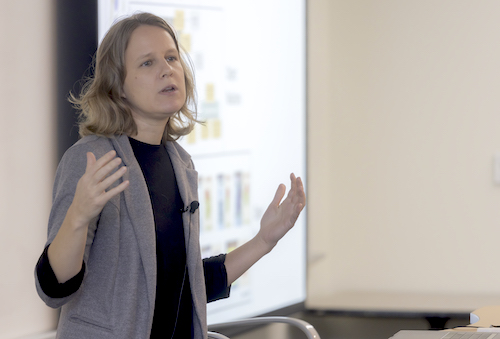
102, 109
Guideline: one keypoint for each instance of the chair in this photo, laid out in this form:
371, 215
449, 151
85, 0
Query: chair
307, 328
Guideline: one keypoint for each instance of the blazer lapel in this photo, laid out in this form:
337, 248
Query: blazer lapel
139, 208
187, 181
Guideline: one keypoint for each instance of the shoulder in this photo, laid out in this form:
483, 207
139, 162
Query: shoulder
75, 157
91, 143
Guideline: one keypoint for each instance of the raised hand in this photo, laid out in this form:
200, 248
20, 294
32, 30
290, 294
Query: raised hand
67, 249
279, 218
92, 189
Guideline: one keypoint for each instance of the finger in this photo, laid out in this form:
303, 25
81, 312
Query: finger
108, 181
294, 187
95, 165
280, 193
301, 198
297, 209
115, 190
90, 161
301, 192
106, 158
107, 169
292, 182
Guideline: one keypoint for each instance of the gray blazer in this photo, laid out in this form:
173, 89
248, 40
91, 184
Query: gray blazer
117, 295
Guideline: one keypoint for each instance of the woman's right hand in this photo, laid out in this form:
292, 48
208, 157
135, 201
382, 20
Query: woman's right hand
68, 247
92, 189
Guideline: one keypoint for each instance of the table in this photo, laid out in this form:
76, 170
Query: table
484, 317
436, 308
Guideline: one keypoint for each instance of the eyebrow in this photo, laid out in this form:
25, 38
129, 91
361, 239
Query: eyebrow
147, 55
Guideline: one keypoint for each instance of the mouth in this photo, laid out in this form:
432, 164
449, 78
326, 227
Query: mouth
169, 89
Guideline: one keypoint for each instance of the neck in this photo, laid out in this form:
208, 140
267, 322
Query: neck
149, 133
147, 139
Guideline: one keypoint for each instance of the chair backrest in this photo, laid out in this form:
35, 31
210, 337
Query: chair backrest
215, 335
307, 328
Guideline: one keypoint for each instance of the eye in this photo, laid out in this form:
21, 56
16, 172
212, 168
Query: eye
147, 63
171, 58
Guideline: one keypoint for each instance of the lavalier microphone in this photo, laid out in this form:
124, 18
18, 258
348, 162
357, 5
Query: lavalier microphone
191, 208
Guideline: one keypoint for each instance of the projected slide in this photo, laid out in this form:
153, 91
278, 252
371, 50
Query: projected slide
249, 60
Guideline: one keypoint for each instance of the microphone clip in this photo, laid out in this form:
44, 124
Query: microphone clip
193, 206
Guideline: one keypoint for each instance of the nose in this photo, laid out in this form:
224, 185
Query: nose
167, 70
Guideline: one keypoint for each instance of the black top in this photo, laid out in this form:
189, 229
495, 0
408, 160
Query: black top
173, 307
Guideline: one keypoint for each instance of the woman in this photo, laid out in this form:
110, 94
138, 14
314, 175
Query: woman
122, 257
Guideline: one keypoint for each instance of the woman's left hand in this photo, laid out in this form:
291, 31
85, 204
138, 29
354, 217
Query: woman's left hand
279, 218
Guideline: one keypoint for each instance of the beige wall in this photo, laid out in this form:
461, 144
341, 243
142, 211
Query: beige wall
404, 120
27, 159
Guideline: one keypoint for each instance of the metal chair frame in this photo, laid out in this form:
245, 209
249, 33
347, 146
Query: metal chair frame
304, 326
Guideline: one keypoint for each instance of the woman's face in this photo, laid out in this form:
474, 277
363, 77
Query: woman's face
154, 84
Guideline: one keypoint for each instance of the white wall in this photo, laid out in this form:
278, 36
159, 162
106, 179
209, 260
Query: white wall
27, 159
404, 120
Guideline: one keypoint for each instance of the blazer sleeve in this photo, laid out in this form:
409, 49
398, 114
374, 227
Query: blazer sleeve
48, 280
70, 170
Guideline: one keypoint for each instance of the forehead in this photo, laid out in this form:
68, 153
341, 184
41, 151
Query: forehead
147, 39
